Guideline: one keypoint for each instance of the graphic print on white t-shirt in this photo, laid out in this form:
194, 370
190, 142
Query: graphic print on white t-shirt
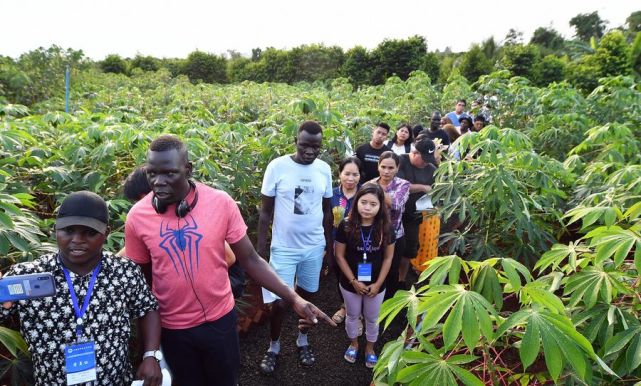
304, 199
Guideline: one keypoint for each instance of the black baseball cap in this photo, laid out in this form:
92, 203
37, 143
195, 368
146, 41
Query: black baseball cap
83, 208
426, 147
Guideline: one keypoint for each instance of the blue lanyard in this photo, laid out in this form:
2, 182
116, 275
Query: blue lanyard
367, 242
80, 312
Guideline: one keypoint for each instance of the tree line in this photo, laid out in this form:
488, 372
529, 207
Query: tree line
594, 52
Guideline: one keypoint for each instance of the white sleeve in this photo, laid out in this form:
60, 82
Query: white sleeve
329, 190
269, 181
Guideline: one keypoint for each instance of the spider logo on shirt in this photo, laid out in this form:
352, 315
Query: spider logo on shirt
181, 245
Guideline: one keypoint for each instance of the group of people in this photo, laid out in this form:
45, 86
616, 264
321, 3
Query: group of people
184, 238
174, 281
366, 228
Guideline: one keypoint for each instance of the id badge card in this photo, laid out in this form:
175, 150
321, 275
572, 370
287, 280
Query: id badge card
80, 362
364, 272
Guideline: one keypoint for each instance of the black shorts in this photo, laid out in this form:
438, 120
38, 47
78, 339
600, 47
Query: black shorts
410, 225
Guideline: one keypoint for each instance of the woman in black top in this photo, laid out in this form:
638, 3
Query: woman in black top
364, 248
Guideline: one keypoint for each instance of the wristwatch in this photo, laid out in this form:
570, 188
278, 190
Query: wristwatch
157, 354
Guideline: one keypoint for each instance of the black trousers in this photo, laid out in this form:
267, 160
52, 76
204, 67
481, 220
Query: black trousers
205, 355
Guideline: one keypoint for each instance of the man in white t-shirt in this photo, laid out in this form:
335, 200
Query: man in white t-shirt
296, 194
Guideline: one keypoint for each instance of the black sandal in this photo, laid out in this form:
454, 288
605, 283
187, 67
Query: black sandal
268, 364
306, 355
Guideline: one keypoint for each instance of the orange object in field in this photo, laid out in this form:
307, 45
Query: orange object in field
428, 233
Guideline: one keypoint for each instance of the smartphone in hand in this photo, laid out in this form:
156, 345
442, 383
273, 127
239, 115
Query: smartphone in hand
20, 287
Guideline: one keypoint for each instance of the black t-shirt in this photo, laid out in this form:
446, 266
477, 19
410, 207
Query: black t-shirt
439, 133
354, 254
414, 175
369, 157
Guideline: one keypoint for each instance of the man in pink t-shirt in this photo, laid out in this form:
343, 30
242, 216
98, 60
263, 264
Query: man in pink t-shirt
177, 234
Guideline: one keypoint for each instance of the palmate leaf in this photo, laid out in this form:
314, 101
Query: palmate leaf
592, 284
597, 323
613, 242
444, 267
429, 369
562, 344
537, 293
557, 254
591, 215
469, 313
401, 300
485, 280
390, 361
512, 269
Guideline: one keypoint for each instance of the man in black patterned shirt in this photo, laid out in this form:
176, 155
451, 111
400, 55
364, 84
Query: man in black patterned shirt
51, 326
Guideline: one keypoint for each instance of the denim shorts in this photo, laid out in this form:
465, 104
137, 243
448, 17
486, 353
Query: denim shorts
296, 266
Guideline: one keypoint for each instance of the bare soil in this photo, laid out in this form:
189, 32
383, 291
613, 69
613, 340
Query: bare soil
329, 345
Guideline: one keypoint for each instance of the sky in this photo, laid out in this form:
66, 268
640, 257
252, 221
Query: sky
165, 28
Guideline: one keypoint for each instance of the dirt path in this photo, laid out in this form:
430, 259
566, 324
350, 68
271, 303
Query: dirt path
329, 345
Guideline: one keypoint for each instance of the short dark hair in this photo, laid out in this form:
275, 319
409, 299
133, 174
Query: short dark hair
168, 142
311, 127
383, 125
462, 101
350, 160
136, 185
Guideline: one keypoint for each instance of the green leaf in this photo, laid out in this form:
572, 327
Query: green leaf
633, 212
485, 281
633, 354
510, 266
470, 326
620, 340
551, 352
18, 242
5, 221
530, 345
555, 256
466, 377
13, 341
591, 284
614, 241
535, 293
452, 326
393, 306
442, 267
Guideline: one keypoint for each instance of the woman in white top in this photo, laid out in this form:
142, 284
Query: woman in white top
401, 143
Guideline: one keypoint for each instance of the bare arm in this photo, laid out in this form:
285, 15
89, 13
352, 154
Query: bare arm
146, 271
328, 225
387, 263
419, 188
265, 218
149, 369
360, 288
